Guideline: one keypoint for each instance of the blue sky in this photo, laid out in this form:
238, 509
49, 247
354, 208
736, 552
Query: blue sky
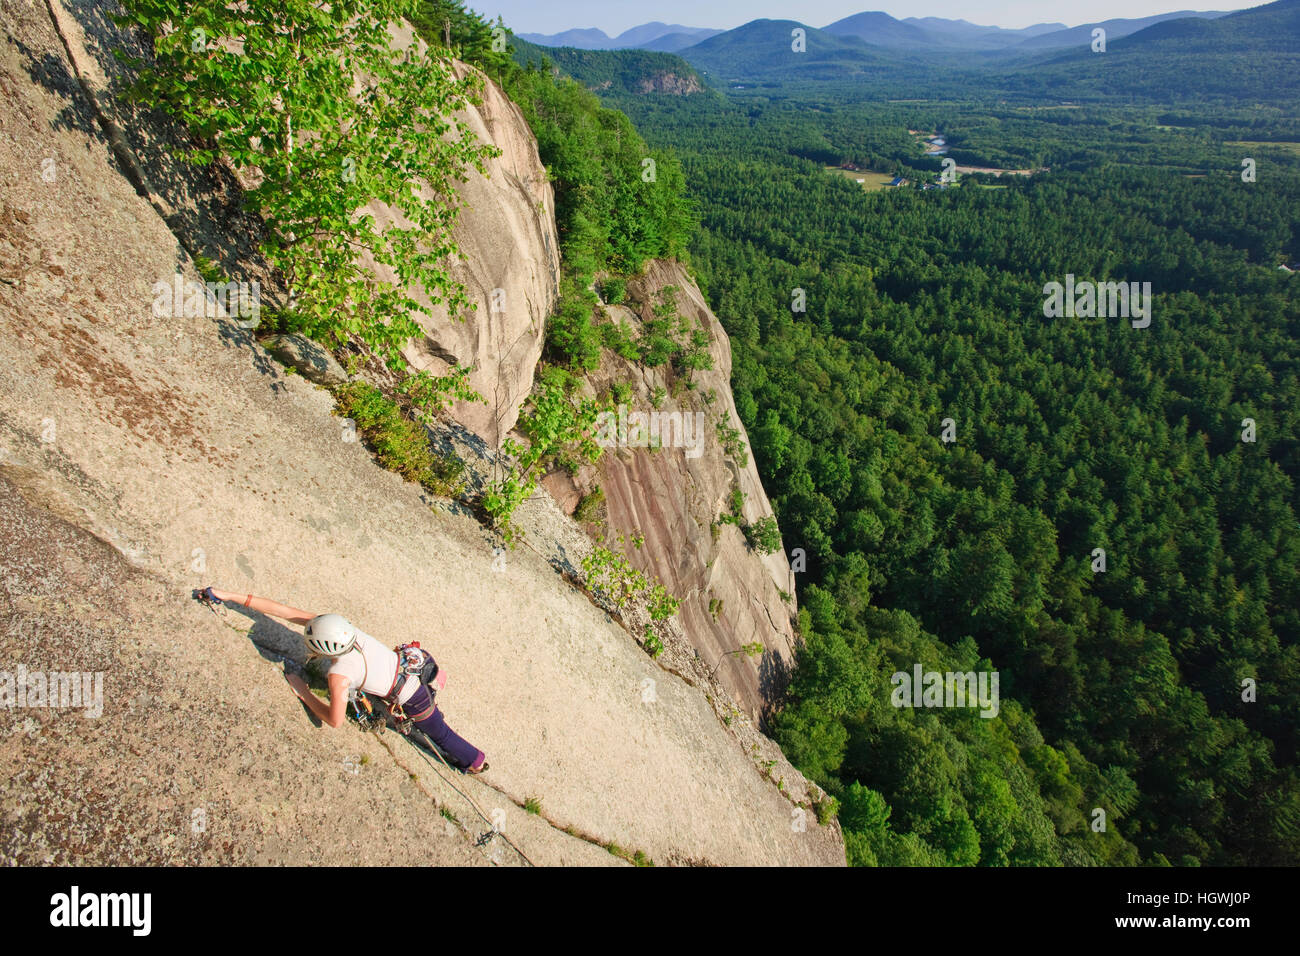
615, 16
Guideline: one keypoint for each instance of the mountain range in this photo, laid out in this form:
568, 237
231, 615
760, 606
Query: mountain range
917, 34
663, 37
1171, 57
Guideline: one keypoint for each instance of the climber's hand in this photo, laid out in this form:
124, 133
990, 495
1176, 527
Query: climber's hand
206, 595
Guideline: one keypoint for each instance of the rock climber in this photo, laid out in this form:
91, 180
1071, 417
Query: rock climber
401, 677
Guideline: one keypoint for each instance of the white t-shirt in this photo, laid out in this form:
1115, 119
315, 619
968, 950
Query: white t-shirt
371, 666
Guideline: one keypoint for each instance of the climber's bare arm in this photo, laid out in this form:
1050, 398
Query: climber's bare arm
332, 713
265, 606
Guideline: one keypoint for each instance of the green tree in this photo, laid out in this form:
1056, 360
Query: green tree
314, 104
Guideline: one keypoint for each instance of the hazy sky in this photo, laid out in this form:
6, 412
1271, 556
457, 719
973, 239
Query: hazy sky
615, 16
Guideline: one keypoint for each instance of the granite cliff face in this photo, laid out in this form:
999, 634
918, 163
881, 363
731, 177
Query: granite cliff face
142, 456
679, 497
671, 83
510, 268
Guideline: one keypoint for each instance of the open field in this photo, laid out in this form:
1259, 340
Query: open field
1288, 147
993, 171
870, 181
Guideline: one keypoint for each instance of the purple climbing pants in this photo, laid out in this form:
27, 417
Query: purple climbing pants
428, 718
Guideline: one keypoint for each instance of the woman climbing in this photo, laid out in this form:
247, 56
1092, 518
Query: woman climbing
361, 663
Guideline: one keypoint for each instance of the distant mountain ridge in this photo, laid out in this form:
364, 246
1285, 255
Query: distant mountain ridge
647, 36
1114, 28
932, 33
1249, 52
878, 29
763, 47
676, 42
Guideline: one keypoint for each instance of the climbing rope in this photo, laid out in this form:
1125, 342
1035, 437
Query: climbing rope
484, 838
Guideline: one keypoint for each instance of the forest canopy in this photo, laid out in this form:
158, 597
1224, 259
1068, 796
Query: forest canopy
1172, 449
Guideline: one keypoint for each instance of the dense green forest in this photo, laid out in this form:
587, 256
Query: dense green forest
1123, 688
1127, 730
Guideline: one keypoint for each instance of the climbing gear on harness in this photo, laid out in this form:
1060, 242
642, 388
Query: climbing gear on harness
369, 715
330, 635
421, 661
414, 661
375, 711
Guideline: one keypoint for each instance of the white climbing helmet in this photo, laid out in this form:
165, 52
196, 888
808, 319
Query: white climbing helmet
331, 635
